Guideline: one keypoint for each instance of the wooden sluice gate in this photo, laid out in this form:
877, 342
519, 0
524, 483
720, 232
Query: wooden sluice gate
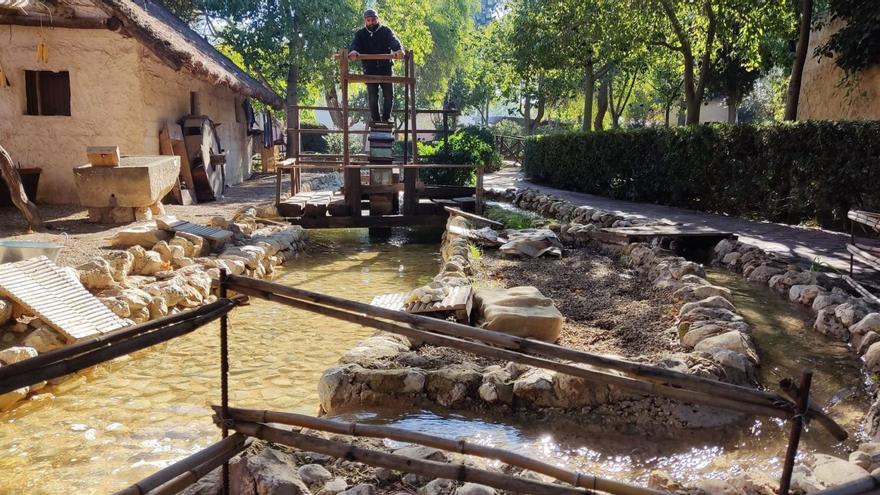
239, 425
379, 188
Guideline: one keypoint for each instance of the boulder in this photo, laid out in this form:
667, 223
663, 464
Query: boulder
738, 369
692, 292
849, 314
870, 323
6, 307
145, 262
519, 311
438, 486
118, 307
827, 299
696, 335
733, 341
314, 474
723, 248
96, 274
475, 489
146, 236
265, 473
863, 342
9, 399
872, 357
536, 387
709, 302
452, 385
44, 339
422, 453
831, 471
164, 251
828, 324
13, 355
804, 294
362, 489
334, 486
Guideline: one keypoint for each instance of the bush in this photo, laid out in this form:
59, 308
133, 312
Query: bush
468, 146
778, 172
309, 142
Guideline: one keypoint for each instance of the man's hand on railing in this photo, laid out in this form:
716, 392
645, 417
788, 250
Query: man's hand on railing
353, 55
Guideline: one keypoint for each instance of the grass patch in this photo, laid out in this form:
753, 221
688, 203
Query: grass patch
512, 219
474, 252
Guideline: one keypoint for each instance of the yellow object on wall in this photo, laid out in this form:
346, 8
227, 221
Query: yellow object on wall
43, 53
4, 81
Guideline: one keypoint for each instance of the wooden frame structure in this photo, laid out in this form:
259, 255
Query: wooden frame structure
346, 210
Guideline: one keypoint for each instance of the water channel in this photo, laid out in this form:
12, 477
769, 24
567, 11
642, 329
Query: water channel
123, 421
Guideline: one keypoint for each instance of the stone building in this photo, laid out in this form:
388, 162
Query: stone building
113, 72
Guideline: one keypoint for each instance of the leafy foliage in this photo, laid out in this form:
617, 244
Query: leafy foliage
467, 146
856, 45
779, 172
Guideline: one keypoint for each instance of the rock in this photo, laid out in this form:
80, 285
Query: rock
831, 471
872, 449
135, 298
164, 251
268, 472
143, 213
734, 341
723, 248
849, 314
872, 357
731, 259
373, 349
475, 489
118, 307
385, 475
313, 474
709, 302
185, 244
158, 307
536, 386
826, 299
6, 307
452, 385
783, 282
806, 294
696, 335
423, 453
146, 262
15, 354
520, 311
362, 489
199, 246
864, 341
861, 459
870, 323
96, 274
44, 339
738, 369
661, 480
439, 486
335, 485
690, 292
828, 324
145, 236
9, 399
802, 480
120, 263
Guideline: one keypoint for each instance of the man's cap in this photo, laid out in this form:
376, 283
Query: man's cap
370, 13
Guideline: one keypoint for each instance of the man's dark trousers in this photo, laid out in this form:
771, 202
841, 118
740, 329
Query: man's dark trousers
387, 101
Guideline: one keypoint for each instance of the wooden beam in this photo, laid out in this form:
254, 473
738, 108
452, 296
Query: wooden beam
471, 216
361, 78
16, 192
40, 20
368, 221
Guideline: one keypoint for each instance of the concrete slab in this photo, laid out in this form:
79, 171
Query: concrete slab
138, 181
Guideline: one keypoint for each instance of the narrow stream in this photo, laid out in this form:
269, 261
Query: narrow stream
124, 420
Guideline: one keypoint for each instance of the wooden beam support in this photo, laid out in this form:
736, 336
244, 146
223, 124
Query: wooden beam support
40, 20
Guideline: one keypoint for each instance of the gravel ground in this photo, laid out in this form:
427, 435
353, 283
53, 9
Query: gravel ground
607, 307
68, 225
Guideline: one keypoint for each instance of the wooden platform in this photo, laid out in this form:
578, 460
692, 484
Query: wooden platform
459, 302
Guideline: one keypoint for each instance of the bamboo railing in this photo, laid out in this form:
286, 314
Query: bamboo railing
460, 446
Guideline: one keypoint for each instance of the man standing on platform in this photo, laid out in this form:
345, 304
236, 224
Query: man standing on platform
373, 39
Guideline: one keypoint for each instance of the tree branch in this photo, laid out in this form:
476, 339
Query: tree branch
666, 44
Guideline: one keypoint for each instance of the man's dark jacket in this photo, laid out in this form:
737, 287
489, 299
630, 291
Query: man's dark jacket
382, 40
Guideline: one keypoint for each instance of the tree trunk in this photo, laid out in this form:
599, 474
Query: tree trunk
800, 58
292, 112
615, 117
589, 86
731, 111
602, 105
666, 110
332, 98
527, 109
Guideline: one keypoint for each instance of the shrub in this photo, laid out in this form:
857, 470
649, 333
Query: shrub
467, 146
779, 172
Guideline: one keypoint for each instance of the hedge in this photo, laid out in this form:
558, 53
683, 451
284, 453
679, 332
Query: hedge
787, 172
467, 146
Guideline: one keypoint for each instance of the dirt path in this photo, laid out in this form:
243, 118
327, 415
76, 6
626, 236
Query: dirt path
607, 308
68, 225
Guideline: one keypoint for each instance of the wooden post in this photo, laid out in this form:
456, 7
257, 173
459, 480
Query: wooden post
352, 176
406, 118
411, 175
16, 192
277, 186
224, 375
797, 424
295, 144
478, 193
445, 134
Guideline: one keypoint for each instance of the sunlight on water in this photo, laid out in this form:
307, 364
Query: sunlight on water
124, 420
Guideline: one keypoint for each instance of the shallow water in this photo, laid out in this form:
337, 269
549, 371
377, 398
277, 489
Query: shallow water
124, 420
787, 344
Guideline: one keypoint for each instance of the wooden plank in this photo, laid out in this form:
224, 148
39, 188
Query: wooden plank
666, 231
103, 156
474, 217
866, 254
362, 78
178, 147
862, 290
165, 148
868, 218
